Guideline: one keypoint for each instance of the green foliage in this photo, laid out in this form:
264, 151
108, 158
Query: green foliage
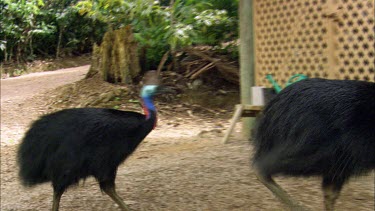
214, 26
31, 28
20, 24
159, 26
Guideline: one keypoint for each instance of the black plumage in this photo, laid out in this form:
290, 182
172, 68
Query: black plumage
317, 127
73, 144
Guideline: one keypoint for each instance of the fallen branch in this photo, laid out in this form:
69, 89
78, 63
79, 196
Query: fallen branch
162, 62
204, 69
189, 72
229, 71
188, 65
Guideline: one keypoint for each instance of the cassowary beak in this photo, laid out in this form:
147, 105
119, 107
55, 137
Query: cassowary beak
164, 90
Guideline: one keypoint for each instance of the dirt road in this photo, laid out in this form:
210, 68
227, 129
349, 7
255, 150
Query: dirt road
178, 167
16, 93
22, 87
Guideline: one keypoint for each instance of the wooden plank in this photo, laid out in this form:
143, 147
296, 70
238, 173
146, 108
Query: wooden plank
253, 107
235, 118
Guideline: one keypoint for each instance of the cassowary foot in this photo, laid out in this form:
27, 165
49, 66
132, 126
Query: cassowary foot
109, 189
56, 200
280, 193
331, 192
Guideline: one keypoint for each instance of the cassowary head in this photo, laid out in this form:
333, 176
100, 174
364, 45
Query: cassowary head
150, 91
152, 85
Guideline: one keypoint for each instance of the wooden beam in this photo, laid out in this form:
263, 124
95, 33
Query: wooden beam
247, 59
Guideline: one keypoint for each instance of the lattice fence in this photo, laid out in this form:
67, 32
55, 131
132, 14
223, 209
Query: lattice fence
327, 39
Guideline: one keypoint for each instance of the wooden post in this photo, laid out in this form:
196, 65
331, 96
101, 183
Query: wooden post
247, 59
331, 12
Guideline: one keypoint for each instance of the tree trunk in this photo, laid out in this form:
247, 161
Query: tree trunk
117, 58
173, 48
5, 50
31, 47
59, 42
143, 59
95, 61
18, 55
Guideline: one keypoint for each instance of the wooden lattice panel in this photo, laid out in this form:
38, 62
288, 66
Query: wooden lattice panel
314, 38
356, 35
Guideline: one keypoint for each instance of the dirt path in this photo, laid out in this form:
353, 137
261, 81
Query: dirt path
22, 87
178, 167
16, 93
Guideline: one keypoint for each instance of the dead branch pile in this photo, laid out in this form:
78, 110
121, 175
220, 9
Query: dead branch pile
201, 61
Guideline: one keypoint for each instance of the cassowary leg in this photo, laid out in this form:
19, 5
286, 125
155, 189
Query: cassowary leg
56, 199
109, 188
279, 192
331, 191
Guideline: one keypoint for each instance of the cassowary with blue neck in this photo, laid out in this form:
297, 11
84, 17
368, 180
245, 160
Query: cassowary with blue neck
73, 144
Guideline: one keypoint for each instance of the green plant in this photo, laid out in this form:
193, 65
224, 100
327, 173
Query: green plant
46, 28
20, 25
158, 26
31, 28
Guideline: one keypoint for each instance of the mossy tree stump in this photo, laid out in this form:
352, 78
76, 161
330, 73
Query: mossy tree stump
116, 59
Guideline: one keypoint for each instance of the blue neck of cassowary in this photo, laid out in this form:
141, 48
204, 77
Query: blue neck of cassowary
148, 106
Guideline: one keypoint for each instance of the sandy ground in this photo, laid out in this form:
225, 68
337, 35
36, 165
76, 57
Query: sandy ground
180, 166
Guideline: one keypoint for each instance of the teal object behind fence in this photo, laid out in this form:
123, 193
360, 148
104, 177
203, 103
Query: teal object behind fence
291, 80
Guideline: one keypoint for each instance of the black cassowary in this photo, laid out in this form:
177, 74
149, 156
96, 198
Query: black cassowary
73, 144
317, 127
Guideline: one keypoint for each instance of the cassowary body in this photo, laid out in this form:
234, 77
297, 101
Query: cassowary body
73, 144
317, 127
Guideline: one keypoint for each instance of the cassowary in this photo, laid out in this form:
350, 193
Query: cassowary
317, 127
73, 144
